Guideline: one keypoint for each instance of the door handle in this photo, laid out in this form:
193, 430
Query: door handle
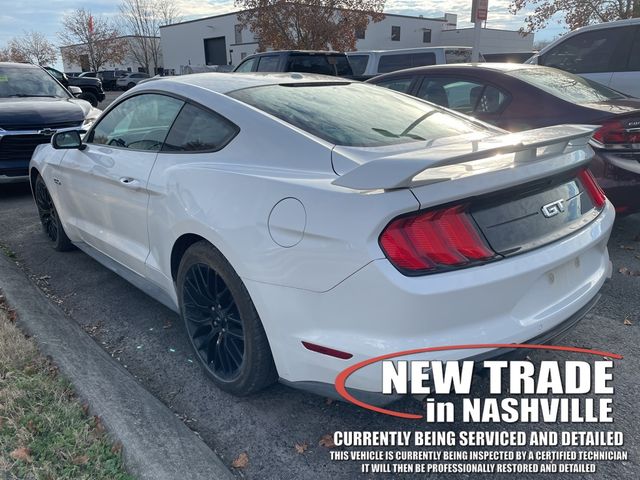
128, 181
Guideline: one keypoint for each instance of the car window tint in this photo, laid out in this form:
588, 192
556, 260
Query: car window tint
268, 63
356, 114
393, 62
138, 123
588, 52
311, 64
198, 130
358, 63
246, 66
397, 84
634, 54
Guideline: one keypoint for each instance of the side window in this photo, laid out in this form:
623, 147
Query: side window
391, 63
588, 52
198, 130
397, 84
268, 63
425, 58
139, 123
246, 66
463, 95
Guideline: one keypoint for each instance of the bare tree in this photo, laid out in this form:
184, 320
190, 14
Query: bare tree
90, 39
11, 54
309, 24
32, 47
142, 20
575, 13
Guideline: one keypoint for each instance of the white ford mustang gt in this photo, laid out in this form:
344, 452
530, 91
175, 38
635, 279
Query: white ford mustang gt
301, 223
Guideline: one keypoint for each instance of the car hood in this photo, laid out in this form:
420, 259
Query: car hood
41, 112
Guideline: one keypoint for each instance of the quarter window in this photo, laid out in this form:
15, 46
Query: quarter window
198, 130
634, 54
138, 123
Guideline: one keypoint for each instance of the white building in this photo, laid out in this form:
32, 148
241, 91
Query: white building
221, 39
130, 62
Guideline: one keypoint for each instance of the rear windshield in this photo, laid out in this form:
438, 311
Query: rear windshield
28, 82
358, 63
564, 85
336, 65
355, 114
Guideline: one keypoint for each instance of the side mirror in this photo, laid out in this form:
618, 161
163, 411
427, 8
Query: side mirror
69, 140
75, 91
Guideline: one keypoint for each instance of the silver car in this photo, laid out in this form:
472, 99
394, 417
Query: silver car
130, 80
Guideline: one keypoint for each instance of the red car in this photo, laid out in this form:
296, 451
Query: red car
519, 97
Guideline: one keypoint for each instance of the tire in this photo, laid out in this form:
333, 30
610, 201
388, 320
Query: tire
49, 217
222, 323
131, 85
89, 97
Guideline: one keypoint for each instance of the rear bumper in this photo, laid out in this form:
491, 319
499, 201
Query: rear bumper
549, 337
379, 311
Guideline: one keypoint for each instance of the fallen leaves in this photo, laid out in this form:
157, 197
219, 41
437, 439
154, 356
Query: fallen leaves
627, 321
80, 460
23, 454
241, 461
627, 247
327, 441
301, 447
629, 272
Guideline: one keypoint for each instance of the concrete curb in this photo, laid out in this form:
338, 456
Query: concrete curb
156, 444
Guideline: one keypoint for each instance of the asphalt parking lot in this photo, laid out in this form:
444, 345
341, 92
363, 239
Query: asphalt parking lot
149, 340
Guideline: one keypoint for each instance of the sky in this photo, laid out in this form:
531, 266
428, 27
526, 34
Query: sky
18, 16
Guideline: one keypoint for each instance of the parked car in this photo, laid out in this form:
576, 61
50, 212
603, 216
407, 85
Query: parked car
368, 63
91, 87
32, 107
518, 97
608, 53
294, 229
303, 61
130, 80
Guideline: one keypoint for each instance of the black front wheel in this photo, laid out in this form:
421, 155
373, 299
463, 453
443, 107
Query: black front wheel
222, 323
49, 217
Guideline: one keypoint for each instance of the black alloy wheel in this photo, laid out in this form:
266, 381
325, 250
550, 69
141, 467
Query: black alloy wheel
213, 322
222, 323
49, 217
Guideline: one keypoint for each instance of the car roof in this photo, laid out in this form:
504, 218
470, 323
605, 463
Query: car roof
228, 82
409, 50
495, 66
17, 64
314, 52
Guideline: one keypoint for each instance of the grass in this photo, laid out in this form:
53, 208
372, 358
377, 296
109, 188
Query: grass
45, 433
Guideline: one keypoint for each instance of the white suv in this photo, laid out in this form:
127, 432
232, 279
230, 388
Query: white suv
608, 53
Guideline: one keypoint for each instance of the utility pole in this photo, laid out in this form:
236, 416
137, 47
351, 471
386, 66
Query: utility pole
479, 11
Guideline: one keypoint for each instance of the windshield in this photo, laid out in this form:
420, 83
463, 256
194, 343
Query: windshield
355, 114
564, 85
28, 82
358, 63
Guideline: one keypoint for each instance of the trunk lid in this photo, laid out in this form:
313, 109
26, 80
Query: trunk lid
522, 190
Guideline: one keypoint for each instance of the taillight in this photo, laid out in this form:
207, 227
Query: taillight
615, 132
593, 189
435, 240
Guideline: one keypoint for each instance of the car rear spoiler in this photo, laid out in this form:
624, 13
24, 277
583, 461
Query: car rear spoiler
400, 171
